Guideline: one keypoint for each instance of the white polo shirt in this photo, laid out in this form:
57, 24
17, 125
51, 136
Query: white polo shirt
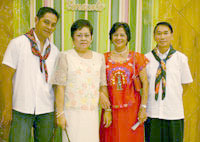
177, 73
31, 93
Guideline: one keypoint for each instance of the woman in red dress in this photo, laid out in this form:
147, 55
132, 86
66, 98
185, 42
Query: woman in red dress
124, 69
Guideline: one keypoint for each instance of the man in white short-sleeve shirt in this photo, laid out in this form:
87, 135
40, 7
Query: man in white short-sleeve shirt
167, 71
29, 61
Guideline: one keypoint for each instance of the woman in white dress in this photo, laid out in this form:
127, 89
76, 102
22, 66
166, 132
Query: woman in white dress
79, 78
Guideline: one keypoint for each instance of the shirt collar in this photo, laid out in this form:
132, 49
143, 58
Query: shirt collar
47, 42
38, 41
164, 55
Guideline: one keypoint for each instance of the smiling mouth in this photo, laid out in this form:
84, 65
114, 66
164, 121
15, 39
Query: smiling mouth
119, 42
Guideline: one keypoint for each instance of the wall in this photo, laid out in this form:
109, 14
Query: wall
17, 16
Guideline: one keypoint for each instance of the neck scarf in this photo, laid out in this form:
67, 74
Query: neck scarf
161, 72
36, 52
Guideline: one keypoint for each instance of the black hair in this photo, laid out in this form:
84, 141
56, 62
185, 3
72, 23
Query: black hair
118, 25
43, 10
79, 24
165, 24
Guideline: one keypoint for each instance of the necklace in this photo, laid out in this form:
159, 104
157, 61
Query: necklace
120, 56
122, 52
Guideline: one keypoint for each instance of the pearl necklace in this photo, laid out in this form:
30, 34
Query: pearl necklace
122, 52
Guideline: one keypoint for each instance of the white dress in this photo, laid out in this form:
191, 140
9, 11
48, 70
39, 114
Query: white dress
82, 78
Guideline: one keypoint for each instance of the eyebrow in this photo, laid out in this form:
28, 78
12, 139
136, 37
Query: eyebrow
163, 31
82, 32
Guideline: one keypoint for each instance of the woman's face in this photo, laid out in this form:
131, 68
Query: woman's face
82, 39
119, 39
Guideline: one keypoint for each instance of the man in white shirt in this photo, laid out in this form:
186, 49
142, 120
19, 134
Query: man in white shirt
167, 71
29, 99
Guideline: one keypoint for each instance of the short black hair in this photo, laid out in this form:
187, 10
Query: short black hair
79, 24
43, 10
118, 25
165, 24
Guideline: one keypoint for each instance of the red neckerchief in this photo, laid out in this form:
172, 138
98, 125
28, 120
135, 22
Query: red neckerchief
36, 52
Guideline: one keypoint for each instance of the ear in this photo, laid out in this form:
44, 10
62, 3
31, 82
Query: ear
36, 19
172, 37
92, 37
111, 41
154, 37
73, 44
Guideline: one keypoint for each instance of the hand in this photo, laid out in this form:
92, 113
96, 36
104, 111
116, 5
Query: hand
104, 101
61, 121
107, 118
6, 117
142, 115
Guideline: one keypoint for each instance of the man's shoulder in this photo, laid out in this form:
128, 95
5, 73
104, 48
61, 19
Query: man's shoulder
54, 48
19, 39
148, 54
181, 55
18, 42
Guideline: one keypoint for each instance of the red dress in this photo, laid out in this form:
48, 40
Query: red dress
125, 100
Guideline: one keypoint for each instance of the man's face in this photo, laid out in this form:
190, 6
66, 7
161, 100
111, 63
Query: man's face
46, 25
163, 36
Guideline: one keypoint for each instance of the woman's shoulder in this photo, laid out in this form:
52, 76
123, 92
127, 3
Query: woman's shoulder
97, 54
64, 54
136, 54
107, 54
67, 52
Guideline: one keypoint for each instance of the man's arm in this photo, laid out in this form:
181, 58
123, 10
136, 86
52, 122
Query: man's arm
6, 90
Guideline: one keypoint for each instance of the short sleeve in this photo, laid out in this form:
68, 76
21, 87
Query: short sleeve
103, 81
59, 76
186, 76
140, 62
11, 56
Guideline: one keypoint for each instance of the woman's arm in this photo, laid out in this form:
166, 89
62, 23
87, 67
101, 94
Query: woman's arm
142, 115
59, 95
104, 97
105, 104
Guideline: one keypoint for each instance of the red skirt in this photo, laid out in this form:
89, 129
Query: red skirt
120, 129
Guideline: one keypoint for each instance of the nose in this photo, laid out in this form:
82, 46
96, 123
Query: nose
83, 37
162, 35
119, 37
50, 27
